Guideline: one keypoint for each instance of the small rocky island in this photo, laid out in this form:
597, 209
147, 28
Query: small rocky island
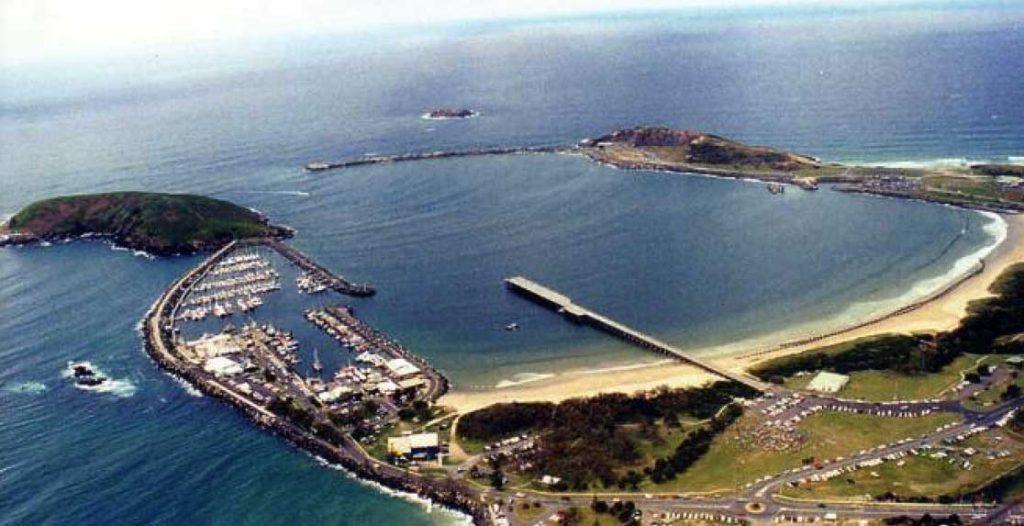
450, 113
158, 223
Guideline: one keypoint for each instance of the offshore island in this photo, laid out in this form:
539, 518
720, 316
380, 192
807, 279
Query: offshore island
895, 428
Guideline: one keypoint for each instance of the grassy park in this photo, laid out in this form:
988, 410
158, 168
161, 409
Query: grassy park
730, 463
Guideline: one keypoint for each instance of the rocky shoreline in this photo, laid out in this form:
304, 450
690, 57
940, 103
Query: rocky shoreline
19, 239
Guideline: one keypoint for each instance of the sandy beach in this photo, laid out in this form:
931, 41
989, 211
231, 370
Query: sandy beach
940, 312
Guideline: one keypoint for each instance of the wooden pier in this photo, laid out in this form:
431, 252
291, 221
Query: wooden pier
579, 314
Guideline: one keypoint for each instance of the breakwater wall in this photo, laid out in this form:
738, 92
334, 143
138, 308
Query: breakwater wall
334, 281
319, 166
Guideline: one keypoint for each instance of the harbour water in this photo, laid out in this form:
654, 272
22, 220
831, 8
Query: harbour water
437, 237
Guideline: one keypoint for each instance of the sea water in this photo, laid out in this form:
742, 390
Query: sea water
700, 262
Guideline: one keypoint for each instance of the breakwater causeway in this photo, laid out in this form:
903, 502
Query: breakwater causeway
319, 166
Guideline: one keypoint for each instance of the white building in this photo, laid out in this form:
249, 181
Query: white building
402, 368
221, 366
826, 382
217, 345
421, 446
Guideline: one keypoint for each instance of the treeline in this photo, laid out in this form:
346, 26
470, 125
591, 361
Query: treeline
502, 420
992, 325
693, 447
895, 352
584, 441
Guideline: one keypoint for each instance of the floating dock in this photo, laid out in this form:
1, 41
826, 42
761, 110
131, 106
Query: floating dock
579, 314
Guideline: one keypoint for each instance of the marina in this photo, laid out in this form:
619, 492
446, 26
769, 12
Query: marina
254, 368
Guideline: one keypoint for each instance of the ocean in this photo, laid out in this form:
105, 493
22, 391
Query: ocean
701, 262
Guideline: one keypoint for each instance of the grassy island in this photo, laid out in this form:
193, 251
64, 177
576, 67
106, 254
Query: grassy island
985, 186
158, 223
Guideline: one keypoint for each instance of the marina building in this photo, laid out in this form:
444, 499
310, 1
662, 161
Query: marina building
222, 366
421, 446
401, 368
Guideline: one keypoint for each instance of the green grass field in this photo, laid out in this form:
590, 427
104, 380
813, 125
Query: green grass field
921, 475
890, 385
730, 464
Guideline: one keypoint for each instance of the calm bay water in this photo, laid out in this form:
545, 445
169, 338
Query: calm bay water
698, 261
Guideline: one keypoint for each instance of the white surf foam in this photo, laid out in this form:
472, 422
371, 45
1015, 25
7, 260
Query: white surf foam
137, 253
426, 116
944, 162
523, 378
189, 388
454, 516
628, 367
296, 193
121, 388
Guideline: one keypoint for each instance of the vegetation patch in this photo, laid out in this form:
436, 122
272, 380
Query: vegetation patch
612, 440
154, 222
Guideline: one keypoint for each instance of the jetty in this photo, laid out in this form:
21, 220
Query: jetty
315, 271
319, 166
577, 313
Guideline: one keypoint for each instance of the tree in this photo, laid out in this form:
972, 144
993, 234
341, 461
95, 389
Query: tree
1012, 391
497, 479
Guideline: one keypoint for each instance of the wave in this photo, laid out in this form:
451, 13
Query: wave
121, 388
427, 117
25, 388
137, 253
457, 517
941, 162
523, 378
189, 388
628, 367
297, 193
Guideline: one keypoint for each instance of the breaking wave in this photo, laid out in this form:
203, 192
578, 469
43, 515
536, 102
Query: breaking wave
119, 387
523, 378
297, 193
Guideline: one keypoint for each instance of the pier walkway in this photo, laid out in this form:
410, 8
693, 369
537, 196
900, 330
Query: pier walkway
332, 280
565, 305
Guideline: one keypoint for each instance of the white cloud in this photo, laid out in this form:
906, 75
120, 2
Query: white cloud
31, 30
